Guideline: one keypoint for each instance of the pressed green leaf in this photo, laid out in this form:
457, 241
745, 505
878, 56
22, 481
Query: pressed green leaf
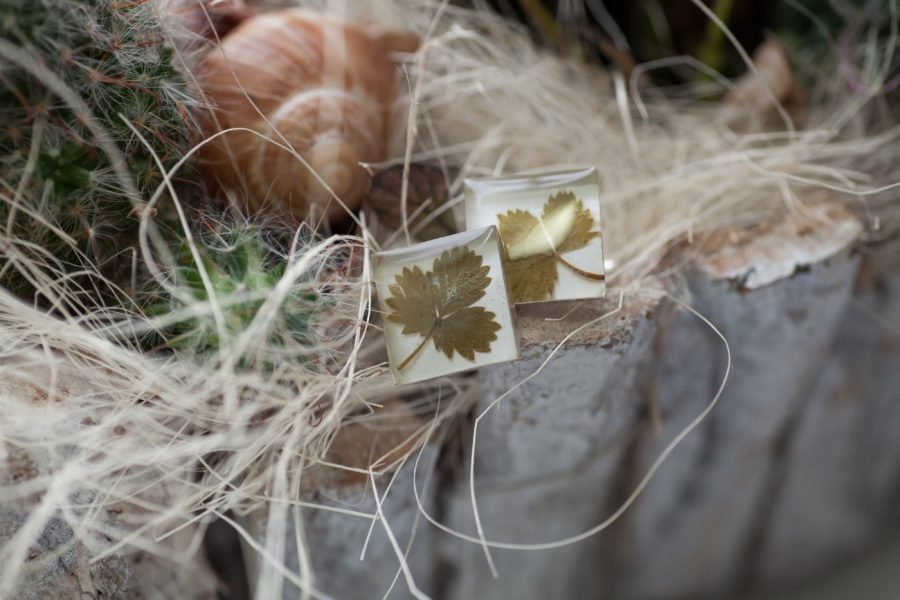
461, 279
534, 245
579, 233
532, 279
467, 331
515, 226
413, 301
437, 305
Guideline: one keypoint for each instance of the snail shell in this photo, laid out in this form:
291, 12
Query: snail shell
319, 85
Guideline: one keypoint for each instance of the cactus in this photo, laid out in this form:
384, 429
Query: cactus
243, 269
71, 212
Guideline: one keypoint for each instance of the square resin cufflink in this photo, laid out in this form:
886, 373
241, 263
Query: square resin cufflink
549, 225
445, 306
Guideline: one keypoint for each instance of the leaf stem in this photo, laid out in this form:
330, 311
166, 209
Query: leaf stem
418, 349
583, 273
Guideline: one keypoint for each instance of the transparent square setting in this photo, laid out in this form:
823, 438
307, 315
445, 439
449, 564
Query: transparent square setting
549, 225
445, 306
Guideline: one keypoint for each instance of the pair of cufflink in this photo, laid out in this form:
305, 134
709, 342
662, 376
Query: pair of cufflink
448, 304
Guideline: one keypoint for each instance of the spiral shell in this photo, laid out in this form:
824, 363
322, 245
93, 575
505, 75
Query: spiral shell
304, 80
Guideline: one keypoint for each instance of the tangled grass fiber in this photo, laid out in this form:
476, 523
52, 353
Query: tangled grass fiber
128, 447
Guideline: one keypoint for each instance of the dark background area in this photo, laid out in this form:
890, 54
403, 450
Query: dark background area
645, 30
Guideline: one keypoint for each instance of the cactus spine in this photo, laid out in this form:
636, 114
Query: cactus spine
62, 207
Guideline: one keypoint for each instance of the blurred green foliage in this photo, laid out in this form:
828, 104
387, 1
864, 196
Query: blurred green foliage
242, 275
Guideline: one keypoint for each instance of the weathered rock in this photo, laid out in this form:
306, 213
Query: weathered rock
839, 479
698, 523
550, 453
796, 469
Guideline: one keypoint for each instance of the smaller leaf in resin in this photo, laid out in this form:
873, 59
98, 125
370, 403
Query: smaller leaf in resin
525, 235
578, 233
531, 278
534, 245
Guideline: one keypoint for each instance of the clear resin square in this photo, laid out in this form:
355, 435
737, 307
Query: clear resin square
445, 306
549, 226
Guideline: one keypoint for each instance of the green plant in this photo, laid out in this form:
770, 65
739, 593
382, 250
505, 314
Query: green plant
62, 206
242, 276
